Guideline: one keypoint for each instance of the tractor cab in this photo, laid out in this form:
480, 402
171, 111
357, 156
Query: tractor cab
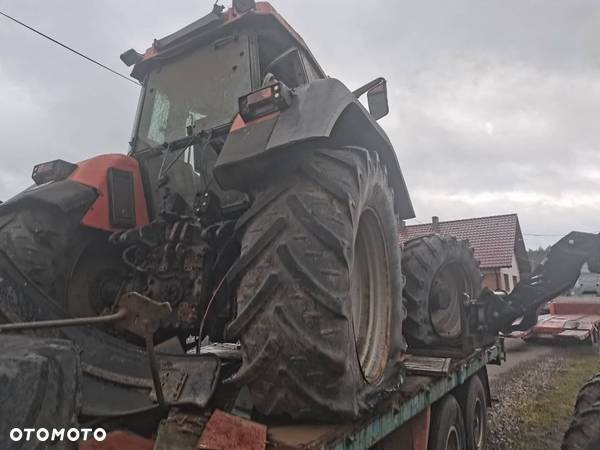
192, 82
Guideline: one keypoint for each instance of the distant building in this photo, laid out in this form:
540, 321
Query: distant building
497, 241
588, 283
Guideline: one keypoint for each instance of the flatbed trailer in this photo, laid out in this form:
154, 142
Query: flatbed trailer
569, 319
401, 422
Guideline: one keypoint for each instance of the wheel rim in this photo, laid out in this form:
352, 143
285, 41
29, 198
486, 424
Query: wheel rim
478, 421
453, 439
371, 297
95, 280
449, 287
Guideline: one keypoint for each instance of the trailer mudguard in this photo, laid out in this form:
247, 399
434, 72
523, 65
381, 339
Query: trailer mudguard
323, 110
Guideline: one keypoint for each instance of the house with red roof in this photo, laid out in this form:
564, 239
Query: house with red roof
497, 242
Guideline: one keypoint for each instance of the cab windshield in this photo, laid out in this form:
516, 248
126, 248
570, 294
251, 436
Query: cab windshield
199, 89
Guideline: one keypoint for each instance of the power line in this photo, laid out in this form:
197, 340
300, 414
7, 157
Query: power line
70, 49
551, 235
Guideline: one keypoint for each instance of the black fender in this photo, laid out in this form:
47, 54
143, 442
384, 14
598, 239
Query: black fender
66, 195
323, 112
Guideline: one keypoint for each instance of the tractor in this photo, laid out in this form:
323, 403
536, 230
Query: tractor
259, 199
244, 255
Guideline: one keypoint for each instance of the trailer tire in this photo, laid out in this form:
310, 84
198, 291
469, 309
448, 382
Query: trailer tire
316, 239
588, 394
440, 271
584, 432
447, 429
474, 403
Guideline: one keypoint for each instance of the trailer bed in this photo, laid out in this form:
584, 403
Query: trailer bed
428, 379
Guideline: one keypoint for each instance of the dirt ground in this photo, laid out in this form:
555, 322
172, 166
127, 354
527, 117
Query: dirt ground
535, 394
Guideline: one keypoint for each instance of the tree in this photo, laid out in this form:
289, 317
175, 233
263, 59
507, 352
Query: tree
537, 256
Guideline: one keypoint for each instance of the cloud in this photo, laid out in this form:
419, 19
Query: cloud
494, 105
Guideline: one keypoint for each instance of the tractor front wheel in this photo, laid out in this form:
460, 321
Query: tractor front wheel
441, 273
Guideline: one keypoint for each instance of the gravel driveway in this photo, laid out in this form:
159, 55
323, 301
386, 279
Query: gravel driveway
524, 416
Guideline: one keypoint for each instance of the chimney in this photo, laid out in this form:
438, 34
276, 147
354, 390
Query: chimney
402, 225
435, 224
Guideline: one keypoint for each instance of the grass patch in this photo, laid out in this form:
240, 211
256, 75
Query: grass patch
546, 415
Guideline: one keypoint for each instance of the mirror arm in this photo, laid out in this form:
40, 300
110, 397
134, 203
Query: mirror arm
367, 87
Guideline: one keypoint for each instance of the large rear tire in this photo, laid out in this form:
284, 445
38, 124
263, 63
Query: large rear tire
37, 239
39, 388
319, 302
73, 265
441, 272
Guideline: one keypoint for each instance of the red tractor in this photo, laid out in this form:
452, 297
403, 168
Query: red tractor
260, 200
244, 256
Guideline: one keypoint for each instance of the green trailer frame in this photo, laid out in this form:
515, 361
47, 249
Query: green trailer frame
429, 379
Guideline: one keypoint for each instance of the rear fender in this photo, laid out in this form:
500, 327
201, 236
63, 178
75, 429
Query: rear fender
323, 113
66, 195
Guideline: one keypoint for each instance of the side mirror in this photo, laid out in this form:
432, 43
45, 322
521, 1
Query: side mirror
376, 97
378, 101
289, 68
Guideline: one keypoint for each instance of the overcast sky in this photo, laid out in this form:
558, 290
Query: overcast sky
494, 104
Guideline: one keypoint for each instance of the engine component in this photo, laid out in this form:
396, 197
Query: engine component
168, 262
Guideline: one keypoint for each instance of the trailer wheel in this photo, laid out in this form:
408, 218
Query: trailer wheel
474, 404
441, 272
584, 432
447, 429
320, 296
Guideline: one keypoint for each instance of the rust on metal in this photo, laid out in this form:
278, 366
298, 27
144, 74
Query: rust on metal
227, 432
118, 440
180, 431
115, 377
143, 319
172, 382
59, 323
143, 314
187, 313
160, 397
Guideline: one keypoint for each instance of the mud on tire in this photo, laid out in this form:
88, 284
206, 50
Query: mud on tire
39, 387
588, 394
310, 238
35, 239
45, 243
440, 271
584, 432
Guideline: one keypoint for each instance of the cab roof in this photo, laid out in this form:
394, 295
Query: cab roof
211, 25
